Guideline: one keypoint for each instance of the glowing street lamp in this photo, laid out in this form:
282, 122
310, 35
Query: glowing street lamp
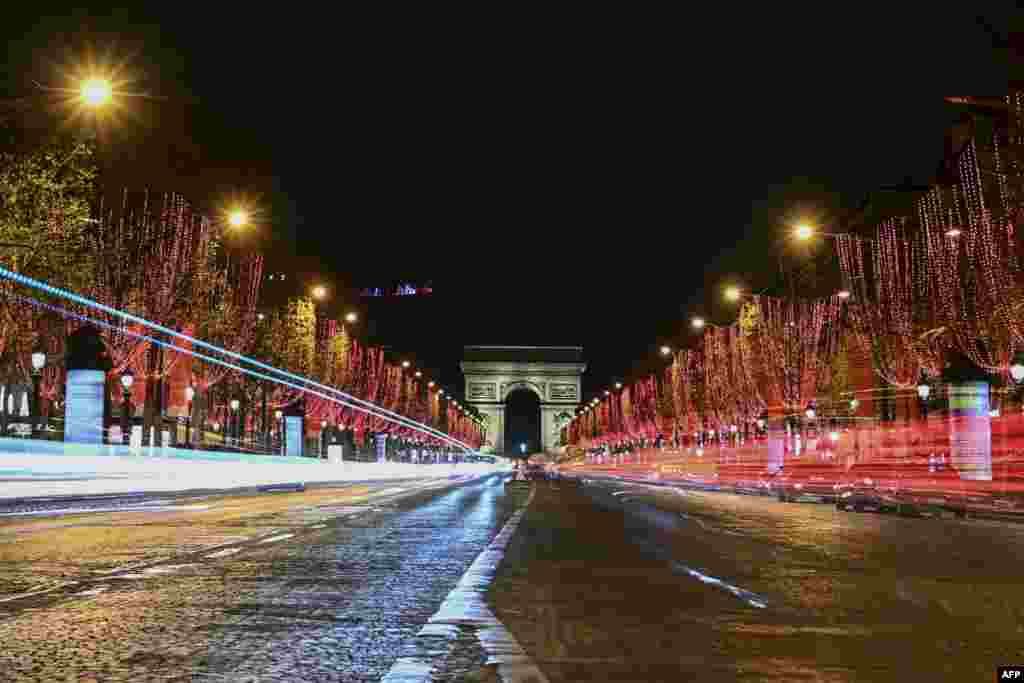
666, 350
698, 323
406, 364
238, 218
351, 317
1017, 371
732, 293
95, 92
618, 385
319, 292
923, 390
38, 361
419, 374
803, 232
127, 379
190, 393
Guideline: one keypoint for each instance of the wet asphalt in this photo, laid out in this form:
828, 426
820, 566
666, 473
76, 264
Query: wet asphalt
323, 590
619, 582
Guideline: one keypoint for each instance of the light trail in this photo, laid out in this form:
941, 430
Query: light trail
345, 399
401, 420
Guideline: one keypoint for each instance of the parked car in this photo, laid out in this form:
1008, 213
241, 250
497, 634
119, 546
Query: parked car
868, 487
810, 481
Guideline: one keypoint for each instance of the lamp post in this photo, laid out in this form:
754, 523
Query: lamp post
279, 416
190, 393
127, 378
323, 438
234, 419
38, 361
923, 392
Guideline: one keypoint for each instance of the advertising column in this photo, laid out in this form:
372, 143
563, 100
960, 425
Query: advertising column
294, 429
776, 425
970, 436
85, 391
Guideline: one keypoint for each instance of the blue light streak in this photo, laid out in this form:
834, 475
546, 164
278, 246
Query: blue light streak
339, 396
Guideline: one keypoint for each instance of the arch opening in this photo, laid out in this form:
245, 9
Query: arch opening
522, 422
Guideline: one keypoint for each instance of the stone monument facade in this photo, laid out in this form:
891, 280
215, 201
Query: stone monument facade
553, 373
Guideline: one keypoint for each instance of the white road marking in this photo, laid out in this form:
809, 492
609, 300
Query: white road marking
386, 492
752, 599
275, 539
466, 605
39, 591
166, 569
96, 511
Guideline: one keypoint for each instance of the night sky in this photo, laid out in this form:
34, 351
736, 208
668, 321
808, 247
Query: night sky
589, 179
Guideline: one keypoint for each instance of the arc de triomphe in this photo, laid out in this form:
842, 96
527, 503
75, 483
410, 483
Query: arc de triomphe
553, 373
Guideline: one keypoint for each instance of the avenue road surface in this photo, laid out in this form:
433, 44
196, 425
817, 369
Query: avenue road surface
329, 584
605, 581
622, 582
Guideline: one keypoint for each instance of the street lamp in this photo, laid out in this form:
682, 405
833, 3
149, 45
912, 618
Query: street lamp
406, 364
38, 361
238, 218
351, 317
698, 323
618, 385
279, 416
190, 393
234, 410
95, 92
1017, 369
127, 378
666, 350
923, 390
732, 293
803, 232
319, 292
419, 374
323, 438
